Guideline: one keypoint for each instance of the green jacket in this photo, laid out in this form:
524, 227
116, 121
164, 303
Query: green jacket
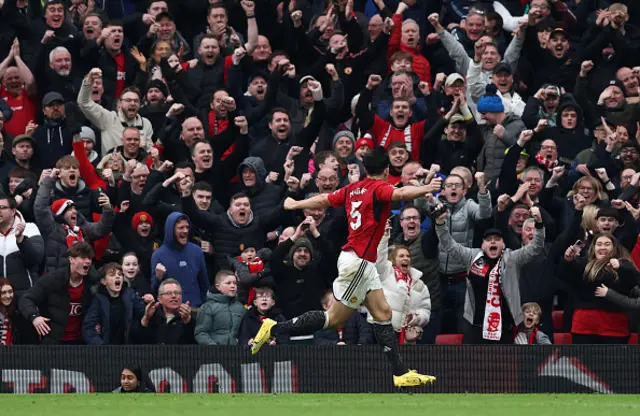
219, 320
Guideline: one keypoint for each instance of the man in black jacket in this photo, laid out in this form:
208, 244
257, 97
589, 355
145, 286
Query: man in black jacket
172, 324
54, 138
55, 305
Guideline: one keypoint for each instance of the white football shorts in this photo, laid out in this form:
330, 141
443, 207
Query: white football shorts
356, 277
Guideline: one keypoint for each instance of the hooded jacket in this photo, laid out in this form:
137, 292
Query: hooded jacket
53, 140
219, 320
99, 314
569, 142
185, 263
492, 154
19, 262
53, 232
264, 196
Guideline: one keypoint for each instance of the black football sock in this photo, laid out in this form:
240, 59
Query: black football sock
387, 339
305, 324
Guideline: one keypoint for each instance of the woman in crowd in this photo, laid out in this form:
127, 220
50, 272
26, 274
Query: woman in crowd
597, 320
13, 327
132, 380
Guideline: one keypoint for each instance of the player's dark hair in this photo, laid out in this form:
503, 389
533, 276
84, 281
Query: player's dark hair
376, 161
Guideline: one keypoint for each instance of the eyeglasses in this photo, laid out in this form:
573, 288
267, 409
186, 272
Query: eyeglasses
453, 185
410, 218
264, 297
172, 292
548, 147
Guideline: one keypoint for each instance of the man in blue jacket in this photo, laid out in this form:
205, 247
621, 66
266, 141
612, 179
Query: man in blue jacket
179, 259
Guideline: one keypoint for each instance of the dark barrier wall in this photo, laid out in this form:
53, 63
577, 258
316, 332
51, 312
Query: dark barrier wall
346, 369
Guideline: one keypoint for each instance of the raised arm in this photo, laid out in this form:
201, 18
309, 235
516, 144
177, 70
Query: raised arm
409, 193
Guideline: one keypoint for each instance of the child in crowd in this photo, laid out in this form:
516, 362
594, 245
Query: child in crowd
251, 271
114, 308
220, 316
264, 306
133, 276
355, 331
529, 332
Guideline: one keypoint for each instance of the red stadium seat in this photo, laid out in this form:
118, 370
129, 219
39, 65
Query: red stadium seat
558, 319
633, 339
562, 338
449, 339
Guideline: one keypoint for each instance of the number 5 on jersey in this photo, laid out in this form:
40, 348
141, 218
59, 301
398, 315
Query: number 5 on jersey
355, 214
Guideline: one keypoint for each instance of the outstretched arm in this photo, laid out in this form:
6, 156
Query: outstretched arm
317, 202
409, 193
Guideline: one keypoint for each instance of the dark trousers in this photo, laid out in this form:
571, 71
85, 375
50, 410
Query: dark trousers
597, 339
432, 329
453, 306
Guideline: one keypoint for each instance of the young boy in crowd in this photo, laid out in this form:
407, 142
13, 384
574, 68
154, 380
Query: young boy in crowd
355, 331
264, 306
113, 309
529, 332
219, 317
251, 271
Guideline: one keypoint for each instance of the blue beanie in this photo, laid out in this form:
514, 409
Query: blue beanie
490, 102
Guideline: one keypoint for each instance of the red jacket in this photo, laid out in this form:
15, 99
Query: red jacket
420, 66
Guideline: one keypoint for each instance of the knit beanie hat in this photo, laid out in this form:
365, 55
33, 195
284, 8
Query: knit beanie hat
490, 102
302, 242
141, 217
156, 83
87, 133
365, 141
343, 133
59, 206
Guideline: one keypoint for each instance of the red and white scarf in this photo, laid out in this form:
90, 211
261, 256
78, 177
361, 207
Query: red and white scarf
6, 337
548, 164
492, 324
74, 235
407, 137
403, 277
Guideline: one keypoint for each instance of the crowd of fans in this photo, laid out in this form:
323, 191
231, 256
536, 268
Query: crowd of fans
147, 147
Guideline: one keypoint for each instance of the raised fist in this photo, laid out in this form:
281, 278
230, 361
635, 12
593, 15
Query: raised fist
373, 81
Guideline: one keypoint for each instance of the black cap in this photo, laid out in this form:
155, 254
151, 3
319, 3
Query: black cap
162, 15
558, 30
503, 67
51, 97
23, 138
492, 231
630, 143
608, 211
619, 84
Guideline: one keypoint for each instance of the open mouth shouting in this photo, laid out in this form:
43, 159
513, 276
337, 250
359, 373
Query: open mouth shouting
493, 251
73, 179
282, 132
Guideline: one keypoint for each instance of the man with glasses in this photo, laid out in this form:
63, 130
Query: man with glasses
424, 257
464, 215
168, 321
113, 123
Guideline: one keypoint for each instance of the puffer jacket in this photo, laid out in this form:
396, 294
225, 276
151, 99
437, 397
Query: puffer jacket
219, 320
512, 262
492, 154
429, 267
264, 196
461, 221
402, 298
20, 262
84, 199
54, 233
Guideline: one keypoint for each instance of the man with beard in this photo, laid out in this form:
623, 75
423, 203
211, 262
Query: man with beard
56, 70
274, 149
238, 224
554, 63
22, 149
257, 185
118, 66
218, 25
465, 214
156, 106
113, 123
455, 140
492, 273
164, 29
56, 304
180, 259
54, 138
207, 75
18, 90
543, 105
400, 128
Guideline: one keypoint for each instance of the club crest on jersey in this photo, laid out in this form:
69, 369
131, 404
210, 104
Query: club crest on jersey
353, 299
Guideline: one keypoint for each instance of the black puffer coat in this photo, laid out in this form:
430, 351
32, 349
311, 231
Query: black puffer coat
264, 196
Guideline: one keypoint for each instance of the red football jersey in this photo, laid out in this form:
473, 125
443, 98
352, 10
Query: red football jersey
73, 330
368, 204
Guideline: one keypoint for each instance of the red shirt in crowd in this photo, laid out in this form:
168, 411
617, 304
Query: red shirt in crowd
72, 332
121, 74
363, 200
411, 135
24, 110
6, 335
